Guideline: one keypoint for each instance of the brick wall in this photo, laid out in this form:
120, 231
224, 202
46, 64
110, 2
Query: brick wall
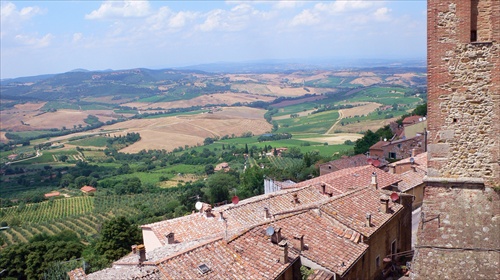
464, 89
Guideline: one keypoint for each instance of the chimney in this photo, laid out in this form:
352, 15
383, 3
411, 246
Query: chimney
368, 219
141, 252
283, 245
276, 237
413, 152
208, 211
392, 169
295, 199
384, 204
221, 216
298, 242
323, 188
170, 238
374, 182
134, 249
267, 214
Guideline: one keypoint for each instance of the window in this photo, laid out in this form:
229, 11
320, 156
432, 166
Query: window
392, 155
394, 249
377, 261
203, 268
473, 20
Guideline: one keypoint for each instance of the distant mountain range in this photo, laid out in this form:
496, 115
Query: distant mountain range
143, 83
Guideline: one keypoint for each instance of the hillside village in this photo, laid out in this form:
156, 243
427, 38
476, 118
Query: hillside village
354, 221
199, 175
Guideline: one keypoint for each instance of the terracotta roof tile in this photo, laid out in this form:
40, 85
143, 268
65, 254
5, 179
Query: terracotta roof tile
344, 180
351, 210
353, 161
411, 179
238, 217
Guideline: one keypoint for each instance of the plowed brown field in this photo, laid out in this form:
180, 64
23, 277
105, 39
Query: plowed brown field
172, 132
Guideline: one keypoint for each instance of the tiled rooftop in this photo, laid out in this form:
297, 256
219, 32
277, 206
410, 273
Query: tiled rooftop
344, 180
237, 217
322, 236
411, 179
412, 120
351, 210
420, 161
334, 224
347, 162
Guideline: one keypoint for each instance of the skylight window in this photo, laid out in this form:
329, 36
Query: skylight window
203, 268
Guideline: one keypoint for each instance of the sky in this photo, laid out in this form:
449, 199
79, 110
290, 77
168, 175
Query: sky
45, 37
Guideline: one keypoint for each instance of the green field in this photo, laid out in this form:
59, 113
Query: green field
316, 123
98, 141
81, 214
60, 105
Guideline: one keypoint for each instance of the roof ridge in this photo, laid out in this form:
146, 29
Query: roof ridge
268, 196
194, 247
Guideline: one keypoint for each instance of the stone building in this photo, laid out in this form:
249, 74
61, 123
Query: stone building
343, 224
459, 230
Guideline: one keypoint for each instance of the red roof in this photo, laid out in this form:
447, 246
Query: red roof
52, 194
412, 119
88, 189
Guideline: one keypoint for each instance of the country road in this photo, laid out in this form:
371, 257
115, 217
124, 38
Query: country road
341, 116
38, 153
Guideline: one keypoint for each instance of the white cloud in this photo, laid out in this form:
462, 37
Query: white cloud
238, 18
120, 9
212, 21
77, 37
286, 4
34, 41
343, 6
382, 14
306, 17
168, 20
11, 18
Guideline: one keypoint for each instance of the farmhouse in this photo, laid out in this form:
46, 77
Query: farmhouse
222, 166
52, 194
12, 157
88, 189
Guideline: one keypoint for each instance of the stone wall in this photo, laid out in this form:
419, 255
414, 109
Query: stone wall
464, 90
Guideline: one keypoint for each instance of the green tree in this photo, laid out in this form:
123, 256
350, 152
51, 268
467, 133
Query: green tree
420, 110
363, 144
218, 186
209, 169
252, 182
117, 235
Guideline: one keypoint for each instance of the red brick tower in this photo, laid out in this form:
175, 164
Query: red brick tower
464, 90
458, 235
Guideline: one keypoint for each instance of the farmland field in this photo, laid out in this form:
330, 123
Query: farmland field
91, 141
172, 132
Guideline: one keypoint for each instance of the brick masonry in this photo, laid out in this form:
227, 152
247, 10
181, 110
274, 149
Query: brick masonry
464, 89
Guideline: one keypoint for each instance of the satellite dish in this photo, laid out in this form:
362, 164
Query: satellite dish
394, 196
235, 200
424, 118
270, 231
198, 205
412, 160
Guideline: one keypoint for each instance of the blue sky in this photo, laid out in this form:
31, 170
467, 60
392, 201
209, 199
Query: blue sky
41, 37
